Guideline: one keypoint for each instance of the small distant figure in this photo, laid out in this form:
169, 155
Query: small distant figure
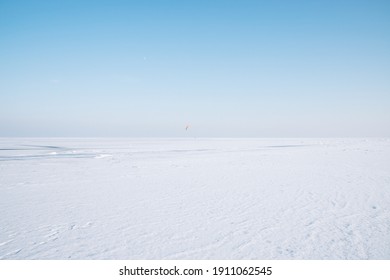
187, 126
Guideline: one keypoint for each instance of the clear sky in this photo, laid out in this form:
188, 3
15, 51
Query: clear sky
227, 68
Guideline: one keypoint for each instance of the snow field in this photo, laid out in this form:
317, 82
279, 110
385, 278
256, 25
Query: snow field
194, 198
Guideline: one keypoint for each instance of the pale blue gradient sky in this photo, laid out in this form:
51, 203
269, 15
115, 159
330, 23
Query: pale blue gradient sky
227, 68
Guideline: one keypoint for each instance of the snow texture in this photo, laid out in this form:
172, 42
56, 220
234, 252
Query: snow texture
194, 198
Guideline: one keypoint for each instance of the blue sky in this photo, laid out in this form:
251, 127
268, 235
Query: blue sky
227, 68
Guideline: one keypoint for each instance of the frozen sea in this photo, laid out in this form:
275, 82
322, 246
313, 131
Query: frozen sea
192, 198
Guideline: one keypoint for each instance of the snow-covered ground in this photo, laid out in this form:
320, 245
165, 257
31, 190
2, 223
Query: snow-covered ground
194, 198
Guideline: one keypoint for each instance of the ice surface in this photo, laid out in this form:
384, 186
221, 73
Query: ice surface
194, 198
